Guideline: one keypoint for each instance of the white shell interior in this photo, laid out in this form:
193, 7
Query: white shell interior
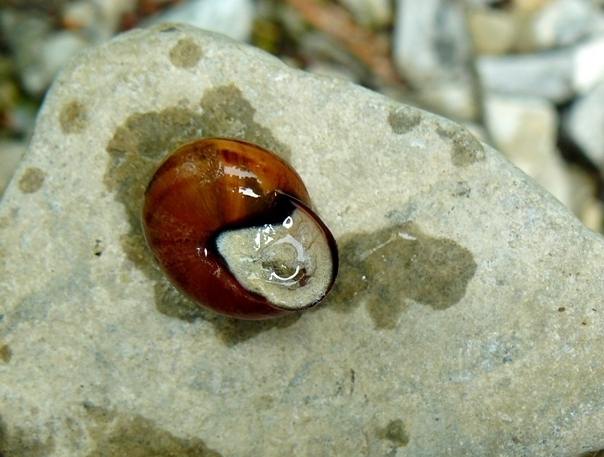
289, 264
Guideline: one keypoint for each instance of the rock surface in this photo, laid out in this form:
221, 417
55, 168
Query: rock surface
467, 318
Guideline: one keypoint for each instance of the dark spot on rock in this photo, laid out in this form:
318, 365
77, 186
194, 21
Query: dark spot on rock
186, 53
562, 309
98, 249
6, 354
388, 269
230, 331
264, 402
73, 117
234, 331
171, 302
227, 113
462, 189
466, 149
17, 442
37, 305
116, 435
32, 180
138, 147
404, 119
395, 433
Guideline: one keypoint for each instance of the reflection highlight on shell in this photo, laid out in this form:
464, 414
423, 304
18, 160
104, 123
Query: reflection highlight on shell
230, 225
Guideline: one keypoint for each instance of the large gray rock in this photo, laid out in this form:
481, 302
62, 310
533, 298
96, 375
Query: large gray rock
466, 319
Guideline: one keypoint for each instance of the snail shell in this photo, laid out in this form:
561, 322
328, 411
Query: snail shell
230, 225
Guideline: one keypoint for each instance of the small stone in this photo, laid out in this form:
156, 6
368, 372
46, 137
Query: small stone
26, 34
592, 214
564, 22
57, 49
588, 64
232, 18
540, 75
21, 118
527, 6
451, 99
110, 17
53, 51
493, 31
525, 130
316, 45
80, 14
584, 202
370, 13
585, 125
432, 51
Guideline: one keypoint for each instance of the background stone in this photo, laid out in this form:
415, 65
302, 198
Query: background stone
525, 130
432, 51
585, 124
466, 319
537, 75
232, 18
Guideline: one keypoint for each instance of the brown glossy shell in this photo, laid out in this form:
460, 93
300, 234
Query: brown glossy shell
200, 188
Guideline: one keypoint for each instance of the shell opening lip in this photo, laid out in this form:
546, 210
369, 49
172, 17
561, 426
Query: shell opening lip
302, 271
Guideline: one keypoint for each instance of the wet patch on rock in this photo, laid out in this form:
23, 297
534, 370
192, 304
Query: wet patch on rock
3, 255
186, 53
404, 119
234, 331
466, 149
37, 306
226, 113
6, 354
116, 434
136, 150
32, 180
389, 269
73, 117
17, 442
395, 433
